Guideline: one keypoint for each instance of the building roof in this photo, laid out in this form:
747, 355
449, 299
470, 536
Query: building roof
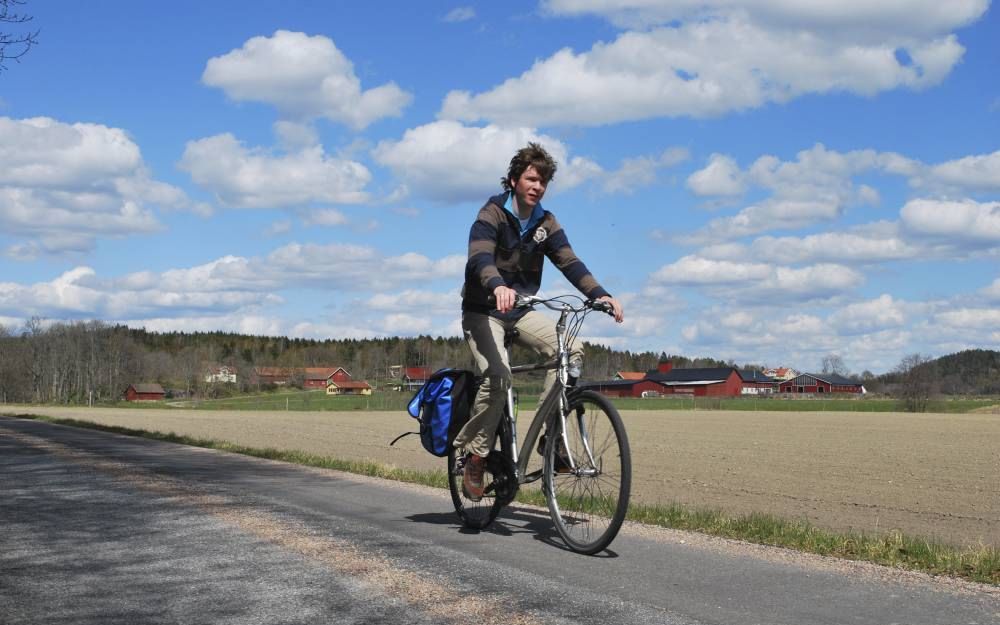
273, 371
148, 388
756, 376
349, 384
610, 383
829, 378
707, 375
417, 373
630, 375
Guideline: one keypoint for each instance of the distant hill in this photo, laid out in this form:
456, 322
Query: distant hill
970, 372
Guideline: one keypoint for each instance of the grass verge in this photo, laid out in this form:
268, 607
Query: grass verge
978, 564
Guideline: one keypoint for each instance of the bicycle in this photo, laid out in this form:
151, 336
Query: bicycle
587, 465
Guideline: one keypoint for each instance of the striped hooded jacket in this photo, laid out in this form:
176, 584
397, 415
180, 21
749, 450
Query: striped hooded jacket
500, 256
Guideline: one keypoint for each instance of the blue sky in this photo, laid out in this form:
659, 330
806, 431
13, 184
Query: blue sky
766, 181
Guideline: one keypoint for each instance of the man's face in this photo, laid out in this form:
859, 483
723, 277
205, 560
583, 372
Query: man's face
529, 188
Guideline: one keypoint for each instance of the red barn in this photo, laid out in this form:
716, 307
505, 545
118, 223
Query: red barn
700, 382
625, 388
144, 392
821, 383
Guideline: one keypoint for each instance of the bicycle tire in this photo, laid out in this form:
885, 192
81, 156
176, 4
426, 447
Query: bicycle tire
588, 505
473, 514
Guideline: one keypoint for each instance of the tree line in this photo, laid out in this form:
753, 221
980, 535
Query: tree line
90, 360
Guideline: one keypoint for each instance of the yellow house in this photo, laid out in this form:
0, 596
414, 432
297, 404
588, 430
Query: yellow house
348, 387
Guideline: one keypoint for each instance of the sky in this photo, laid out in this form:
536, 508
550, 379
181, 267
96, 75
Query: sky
765, 181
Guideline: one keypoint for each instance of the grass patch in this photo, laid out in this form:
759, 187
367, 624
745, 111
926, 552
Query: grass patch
978, 564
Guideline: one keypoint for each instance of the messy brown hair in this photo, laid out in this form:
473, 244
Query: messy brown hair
532, 155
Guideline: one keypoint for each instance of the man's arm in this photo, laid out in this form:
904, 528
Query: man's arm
482, 258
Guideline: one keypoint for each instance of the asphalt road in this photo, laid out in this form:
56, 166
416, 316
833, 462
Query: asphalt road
101, 529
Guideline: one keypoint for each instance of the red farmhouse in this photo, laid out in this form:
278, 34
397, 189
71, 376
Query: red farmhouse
144, 392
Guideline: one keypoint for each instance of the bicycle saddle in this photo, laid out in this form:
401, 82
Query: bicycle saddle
509, 335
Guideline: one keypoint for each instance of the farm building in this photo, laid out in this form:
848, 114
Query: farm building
781, 374
144, 392
414, 377
821, 383
348, 387
630, 375
756, 383
625, 388
320, 377
271, 375
221, 374
312, 377
700, 382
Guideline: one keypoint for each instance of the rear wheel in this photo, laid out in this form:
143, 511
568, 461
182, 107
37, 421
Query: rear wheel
588, 473
474, 514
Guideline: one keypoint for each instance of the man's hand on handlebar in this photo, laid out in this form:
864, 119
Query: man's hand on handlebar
504, 298
616, 307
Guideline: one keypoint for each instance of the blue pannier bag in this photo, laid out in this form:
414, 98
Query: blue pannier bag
442, 406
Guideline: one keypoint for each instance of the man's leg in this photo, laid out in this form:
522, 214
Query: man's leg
484, 334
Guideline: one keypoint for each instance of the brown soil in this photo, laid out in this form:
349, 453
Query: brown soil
929, 475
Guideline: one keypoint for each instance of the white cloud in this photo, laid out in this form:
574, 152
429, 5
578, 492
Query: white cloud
721, 176
449, 162
878, 314
979, 172
460, 14
80, 293
694, 270
909, 18
961, 221
875, 243
227, 284
708, 67
65, 185
416, 302
817, 186
970, 318
754, 282
324, 217
641, 171
304, 77
404, 323
257, 178
992, 291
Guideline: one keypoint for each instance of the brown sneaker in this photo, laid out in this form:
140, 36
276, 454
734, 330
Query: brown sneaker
472, 481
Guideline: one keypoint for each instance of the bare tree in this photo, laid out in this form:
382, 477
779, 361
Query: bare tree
14, 45
833, 363
917, 383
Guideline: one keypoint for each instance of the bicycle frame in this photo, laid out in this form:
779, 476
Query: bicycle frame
557, 397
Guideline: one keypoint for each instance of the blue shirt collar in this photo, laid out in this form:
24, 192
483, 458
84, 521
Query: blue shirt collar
536, 214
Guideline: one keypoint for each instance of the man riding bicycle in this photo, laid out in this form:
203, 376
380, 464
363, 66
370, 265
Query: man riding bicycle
507, 243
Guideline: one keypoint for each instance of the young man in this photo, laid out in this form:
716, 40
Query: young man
507, 245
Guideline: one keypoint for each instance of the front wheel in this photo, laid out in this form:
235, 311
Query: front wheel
588, 473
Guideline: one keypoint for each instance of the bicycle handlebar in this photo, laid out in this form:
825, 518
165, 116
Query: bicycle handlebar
557, 303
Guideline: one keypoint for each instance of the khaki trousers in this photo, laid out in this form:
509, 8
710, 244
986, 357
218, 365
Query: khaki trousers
484, 334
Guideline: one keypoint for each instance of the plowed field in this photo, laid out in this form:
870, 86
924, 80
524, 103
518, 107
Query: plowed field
930, 475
